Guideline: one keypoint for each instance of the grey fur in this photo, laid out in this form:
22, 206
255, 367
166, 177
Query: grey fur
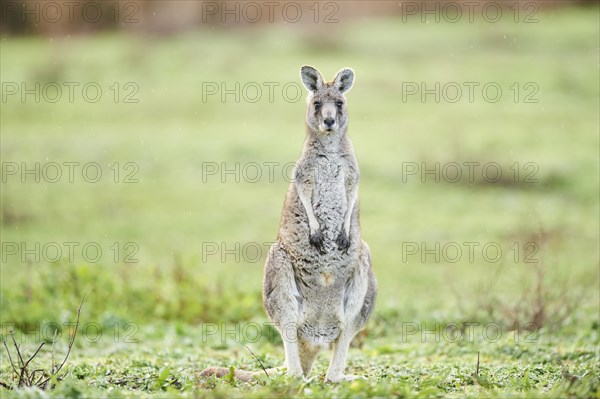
319, 287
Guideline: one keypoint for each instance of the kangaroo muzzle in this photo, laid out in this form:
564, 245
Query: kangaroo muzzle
328, 113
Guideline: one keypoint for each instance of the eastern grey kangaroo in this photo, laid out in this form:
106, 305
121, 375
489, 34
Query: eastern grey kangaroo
319, 287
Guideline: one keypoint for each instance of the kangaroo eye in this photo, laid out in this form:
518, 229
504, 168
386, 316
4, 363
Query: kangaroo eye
339, 104
317, 104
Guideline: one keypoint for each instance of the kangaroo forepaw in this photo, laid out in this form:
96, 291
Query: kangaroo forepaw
343, 242
316, 240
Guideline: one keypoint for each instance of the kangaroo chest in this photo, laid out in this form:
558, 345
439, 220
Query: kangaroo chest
329, 192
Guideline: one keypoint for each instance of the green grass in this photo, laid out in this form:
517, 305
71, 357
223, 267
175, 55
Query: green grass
155, 317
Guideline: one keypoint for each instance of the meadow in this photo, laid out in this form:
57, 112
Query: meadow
157, 200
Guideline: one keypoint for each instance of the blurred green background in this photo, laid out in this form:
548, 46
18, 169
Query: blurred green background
178, 221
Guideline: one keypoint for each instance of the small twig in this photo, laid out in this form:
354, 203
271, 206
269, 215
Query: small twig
23, 372
20, 358
31, 376
9, 357
34, 354
37, 383
52, 351
71, 342
32, 380
12, 364
475, 375
256, 357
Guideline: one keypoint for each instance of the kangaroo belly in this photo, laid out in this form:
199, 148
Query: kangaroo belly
323, 305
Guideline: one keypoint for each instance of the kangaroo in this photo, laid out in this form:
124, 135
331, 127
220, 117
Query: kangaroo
319, 287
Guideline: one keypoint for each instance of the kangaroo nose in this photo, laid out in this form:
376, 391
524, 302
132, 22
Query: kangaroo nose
329, 122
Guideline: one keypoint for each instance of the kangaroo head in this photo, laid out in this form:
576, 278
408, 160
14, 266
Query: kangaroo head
326, 111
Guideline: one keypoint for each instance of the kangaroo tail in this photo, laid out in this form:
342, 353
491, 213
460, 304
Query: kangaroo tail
241, 375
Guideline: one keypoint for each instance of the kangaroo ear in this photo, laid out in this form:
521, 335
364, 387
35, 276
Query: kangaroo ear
311, 78
344, 80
